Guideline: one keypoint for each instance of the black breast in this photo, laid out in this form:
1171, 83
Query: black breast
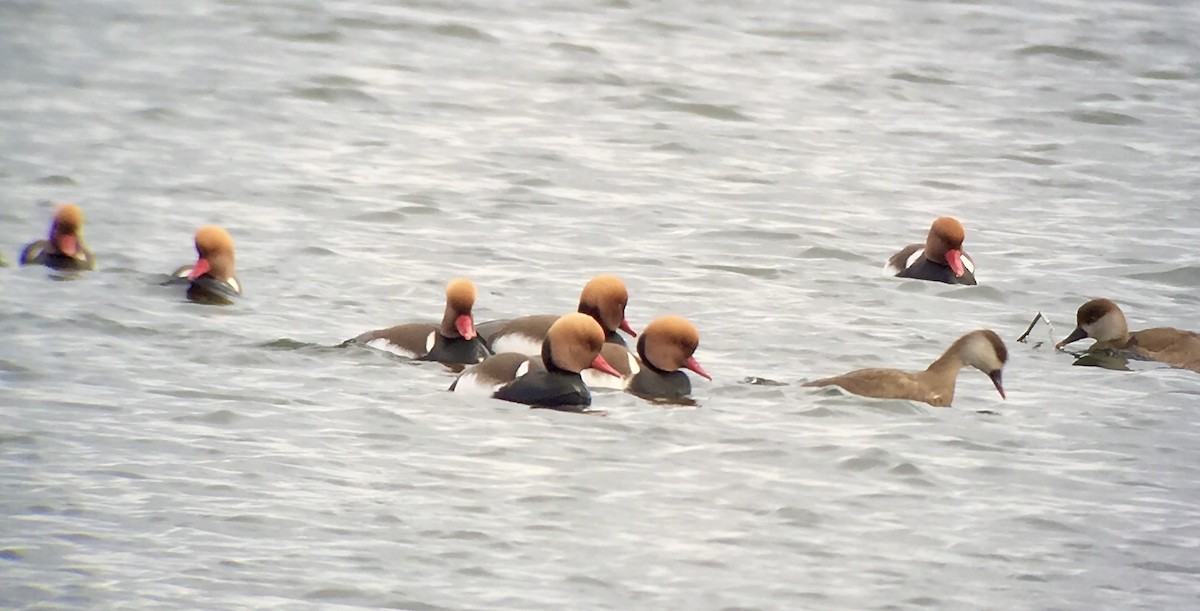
553, 389
652, 384
457, 350
924, 269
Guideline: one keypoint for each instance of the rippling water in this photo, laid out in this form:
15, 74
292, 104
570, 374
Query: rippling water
748, 166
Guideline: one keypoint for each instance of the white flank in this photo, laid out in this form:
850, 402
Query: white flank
429, 342
519, 343
594, 378
382, 344
472, 383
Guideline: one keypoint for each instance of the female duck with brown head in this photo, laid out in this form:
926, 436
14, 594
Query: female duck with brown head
212, 279
64, 249
941, 259
572, 344
453, 342
603, 298
666, 346
981, 349
1103, 321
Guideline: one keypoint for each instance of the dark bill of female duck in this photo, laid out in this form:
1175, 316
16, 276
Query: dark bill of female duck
982, 349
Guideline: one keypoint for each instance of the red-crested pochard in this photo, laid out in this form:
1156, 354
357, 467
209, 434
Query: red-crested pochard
980, 349
212, 278
665, 347
454, 341
572, 344
1103, 321
64, 248
940, 259
603, 298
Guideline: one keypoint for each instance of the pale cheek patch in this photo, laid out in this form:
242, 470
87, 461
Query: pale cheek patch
380, 343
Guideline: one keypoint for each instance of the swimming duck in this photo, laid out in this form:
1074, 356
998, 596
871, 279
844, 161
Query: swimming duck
454, 341
571, 345
64, 249
211, 279
1103, 321
665, 347
981, 349
603, 298
941, 259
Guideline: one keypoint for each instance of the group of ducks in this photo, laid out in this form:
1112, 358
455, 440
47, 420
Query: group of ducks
546, 360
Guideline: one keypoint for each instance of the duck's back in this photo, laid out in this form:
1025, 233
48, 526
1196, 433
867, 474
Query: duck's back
1175, 347
887, 384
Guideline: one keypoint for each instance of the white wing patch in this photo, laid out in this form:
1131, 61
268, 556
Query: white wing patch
913, 258
380, 343
522, 369
232, 282
519, 343
429, 342
968, 263
184, 273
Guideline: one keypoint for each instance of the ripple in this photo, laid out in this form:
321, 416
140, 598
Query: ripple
56, 180
463, 31
1103, 117
1187, 276
711, 111
921, 79
1065, 52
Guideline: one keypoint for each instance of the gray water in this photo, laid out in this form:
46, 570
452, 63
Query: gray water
749, 166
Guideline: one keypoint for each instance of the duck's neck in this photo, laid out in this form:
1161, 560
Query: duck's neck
942, 374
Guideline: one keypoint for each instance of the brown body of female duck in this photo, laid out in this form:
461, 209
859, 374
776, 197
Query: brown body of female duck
1103, 321
981, 349
940, 259
453, 341
603, 298
64, 248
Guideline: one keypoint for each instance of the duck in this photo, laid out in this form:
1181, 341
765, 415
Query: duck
453, 342
1102, 320
941, 259
981, 349
604, 298
666, 346
212, 278
552, 380
64, 248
